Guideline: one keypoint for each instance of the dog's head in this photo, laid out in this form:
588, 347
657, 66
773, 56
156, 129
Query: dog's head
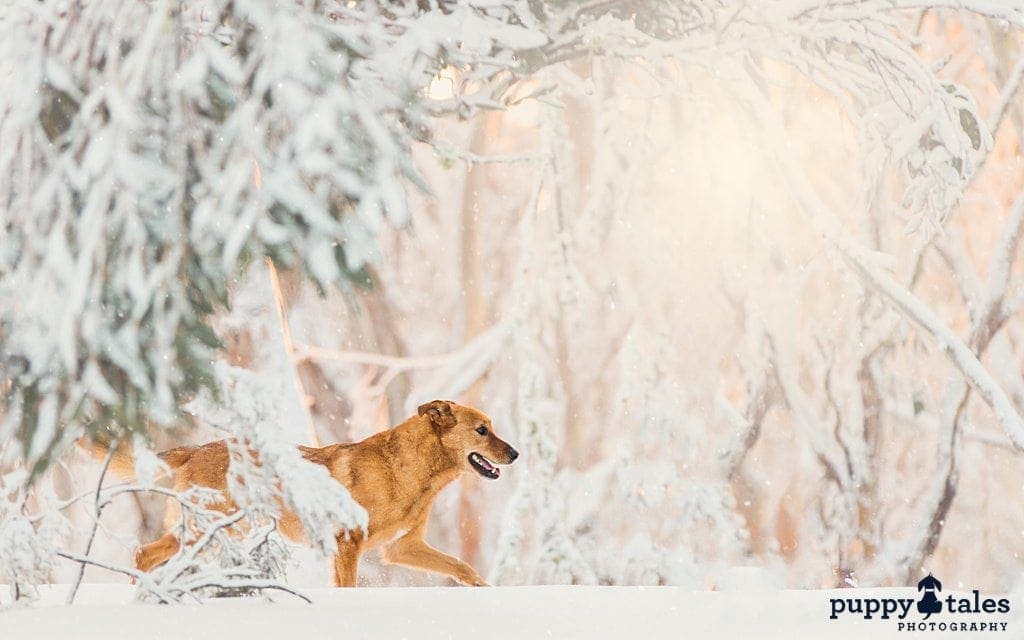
468, 435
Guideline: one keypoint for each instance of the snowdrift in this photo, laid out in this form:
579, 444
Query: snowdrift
109, 611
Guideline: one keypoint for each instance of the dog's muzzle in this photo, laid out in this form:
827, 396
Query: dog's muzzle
483, 466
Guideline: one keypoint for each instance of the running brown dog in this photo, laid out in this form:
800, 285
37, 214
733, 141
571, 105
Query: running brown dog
395, 475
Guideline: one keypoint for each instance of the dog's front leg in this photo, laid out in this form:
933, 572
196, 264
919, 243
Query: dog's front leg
412, 551
346, 563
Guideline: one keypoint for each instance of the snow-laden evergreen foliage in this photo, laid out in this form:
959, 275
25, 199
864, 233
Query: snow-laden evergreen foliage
149, 149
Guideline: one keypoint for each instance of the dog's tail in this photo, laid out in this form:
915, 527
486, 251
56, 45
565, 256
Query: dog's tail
122, 461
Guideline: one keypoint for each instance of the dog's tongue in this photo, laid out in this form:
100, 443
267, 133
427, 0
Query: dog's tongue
484, 465
490, 467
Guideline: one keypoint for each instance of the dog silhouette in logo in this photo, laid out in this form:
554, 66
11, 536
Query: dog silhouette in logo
929, 604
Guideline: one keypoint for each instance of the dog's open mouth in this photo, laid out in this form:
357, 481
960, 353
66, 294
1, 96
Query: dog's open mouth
483, 466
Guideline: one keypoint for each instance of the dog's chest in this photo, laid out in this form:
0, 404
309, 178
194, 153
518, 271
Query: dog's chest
396, 512
396, 490
392, 521
403, 509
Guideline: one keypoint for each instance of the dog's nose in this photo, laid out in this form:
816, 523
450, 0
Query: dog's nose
512, 455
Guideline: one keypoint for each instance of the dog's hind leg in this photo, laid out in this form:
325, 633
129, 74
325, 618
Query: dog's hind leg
346, 562
412, 551
154, 554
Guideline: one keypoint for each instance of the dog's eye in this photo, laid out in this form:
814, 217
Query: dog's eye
482, 430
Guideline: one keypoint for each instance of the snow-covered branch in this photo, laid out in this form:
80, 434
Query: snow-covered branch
866, 265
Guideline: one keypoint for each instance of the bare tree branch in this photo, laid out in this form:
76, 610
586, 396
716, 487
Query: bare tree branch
398, 362
141, 578
97, 511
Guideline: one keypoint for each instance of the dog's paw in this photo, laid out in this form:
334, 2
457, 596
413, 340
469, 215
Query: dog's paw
472, 579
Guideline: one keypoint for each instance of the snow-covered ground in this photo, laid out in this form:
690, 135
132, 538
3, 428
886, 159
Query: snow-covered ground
108, 611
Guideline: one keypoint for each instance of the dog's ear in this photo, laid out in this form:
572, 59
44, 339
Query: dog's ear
440, 414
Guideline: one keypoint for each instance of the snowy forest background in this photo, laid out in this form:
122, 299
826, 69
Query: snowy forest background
742, 281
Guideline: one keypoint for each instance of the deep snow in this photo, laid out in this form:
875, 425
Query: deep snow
108, 611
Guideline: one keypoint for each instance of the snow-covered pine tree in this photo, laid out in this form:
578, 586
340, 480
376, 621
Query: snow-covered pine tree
151, 150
